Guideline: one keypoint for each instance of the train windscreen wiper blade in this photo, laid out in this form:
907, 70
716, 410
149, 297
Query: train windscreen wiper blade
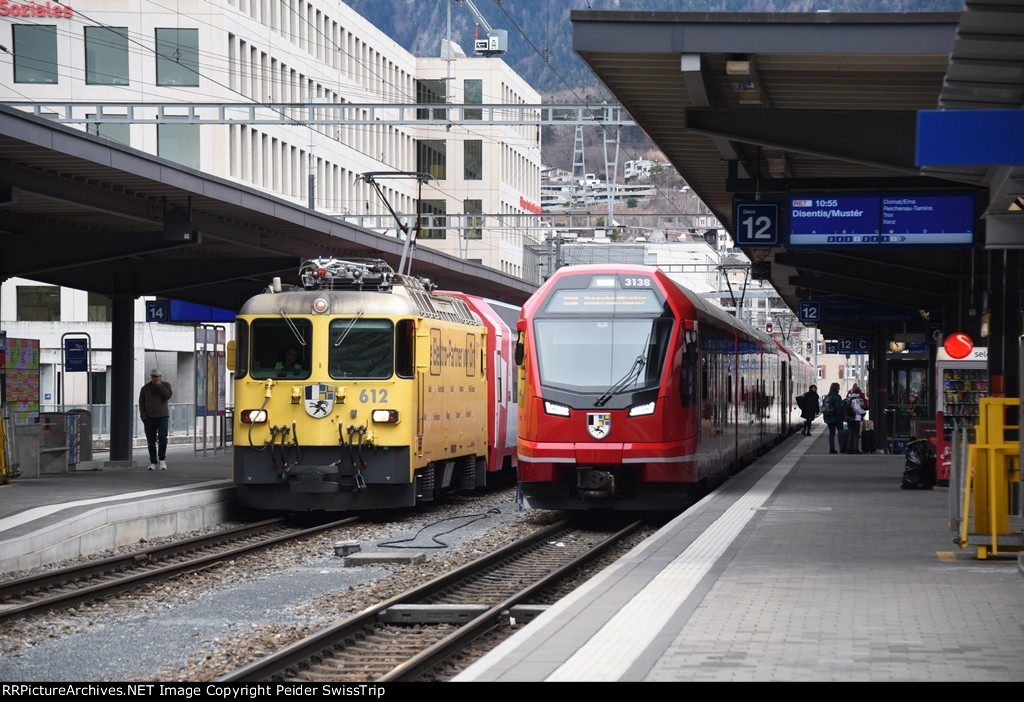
628, 379
295, 330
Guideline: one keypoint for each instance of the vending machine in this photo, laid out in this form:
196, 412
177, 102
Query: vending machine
960, 384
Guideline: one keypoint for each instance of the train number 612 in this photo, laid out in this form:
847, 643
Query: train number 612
373, 395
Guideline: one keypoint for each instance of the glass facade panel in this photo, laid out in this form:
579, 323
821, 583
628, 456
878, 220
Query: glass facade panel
35, 53
474, 95
430, 92
106, 55
38, 303
432, 158
101, 308
433, 222
177, 57
121, 133
179, 143
473, 159
474, 224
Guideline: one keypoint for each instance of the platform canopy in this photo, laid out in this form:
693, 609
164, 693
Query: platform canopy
761, 107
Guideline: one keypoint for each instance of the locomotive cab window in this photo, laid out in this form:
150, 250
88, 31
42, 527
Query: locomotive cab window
361, 348
611, 332
611, 348
280, 348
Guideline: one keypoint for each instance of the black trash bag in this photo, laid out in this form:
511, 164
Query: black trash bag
919, 471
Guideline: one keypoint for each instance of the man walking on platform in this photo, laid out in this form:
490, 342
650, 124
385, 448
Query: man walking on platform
155, 414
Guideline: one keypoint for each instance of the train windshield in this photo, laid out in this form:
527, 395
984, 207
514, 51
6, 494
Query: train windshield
280, 348
361, 348
593, 355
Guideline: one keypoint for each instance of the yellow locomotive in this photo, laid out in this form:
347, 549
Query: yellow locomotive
362, 389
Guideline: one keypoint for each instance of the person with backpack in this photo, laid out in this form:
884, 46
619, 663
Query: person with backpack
808, 404
857, 407
830, 412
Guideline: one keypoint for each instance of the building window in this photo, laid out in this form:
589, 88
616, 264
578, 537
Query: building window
177, 57
119, 132
432, 158
101, 308
38, 303
842, 371
473, 159
430, 92
99, 387
474, 222
433, 219
474, 95
106, 55
35, 53
179, 143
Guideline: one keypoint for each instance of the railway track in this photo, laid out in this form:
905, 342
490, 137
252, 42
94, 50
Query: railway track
92, 581
402, 639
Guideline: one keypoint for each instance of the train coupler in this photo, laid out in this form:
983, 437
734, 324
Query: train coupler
313, 478
593, 483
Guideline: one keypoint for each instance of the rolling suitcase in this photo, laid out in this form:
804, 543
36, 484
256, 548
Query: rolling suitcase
842, 438
867, 441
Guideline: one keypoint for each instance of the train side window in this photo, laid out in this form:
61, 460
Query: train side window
688, 372
241, 348
405, 348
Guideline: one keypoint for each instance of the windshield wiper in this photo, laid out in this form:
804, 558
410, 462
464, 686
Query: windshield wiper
295, 330
629, 378
344, 333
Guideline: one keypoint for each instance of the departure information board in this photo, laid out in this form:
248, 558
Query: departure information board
591, 300
891, 220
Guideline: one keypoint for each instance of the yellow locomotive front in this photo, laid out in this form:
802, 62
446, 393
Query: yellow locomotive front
361, 390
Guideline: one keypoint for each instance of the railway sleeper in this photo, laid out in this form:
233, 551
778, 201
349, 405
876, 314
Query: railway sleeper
432, 613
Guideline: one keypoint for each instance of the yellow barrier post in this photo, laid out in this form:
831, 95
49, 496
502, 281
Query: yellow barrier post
993, 465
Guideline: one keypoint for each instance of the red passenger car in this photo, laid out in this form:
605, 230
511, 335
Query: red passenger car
637, 394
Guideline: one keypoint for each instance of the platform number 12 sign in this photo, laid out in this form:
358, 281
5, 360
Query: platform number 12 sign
756, 224
809, 312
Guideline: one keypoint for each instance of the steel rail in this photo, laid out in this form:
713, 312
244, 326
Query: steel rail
109, 567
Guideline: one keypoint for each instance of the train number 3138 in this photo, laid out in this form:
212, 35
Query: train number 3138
636, 282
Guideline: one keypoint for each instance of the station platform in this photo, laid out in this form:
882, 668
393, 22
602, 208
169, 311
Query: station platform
57, 516
804, 567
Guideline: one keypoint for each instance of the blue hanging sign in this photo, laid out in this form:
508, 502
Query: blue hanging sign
76, 356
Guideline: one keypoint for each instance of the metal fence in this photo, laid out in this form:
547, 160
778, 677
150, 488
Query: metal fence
181, 422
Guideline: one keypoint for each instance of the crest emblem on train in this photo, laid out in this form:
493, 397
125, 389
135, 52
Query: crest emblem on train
319, 400
599, 424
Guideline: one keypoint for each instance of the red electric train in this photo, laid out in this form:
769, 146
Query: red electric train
636, 394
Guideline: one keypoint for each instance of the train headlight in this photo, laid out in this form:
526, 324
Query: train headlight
321, 306
556, 409
384, 416
253, 417
641, 410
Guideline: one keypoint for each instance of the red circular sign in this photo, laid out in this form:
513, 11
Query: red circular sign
958, 345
